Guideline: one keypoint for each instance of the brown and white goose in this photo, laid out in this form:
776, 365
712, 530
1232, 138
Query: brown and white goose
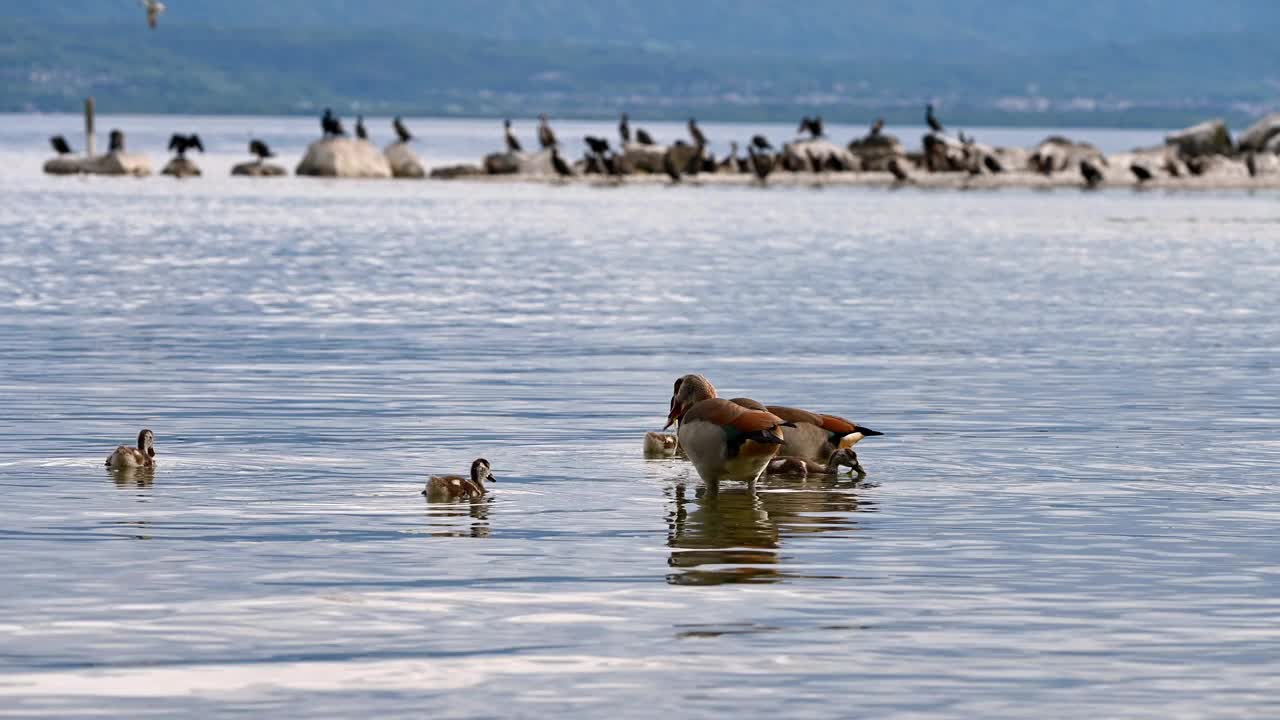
142, 456
723, 440
455, 486
802, 467
810, 435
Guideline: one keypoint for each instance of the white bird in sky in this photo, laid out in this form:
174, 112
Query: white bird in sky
154, 8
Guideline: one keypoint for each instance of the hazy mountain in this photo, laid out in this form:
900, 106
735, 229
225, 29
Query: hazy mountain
983, 58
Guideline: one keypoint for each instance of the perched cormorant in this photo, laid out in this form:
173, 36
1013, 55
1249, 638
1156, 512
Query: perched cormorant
694, 164
180, 144
1171, 167
643, 137
60, 145
513, 144
760, 142
1197, 165
559, 165
360, 131
331, 125
545, 137
624, 129
804, 125
1251, 164
761, 163
115, 141
876, 127
932, 121
154, 8
835, 163
816, 128
669, 166
815, 162
402, 132
259, 148
1092, 175
699, 139
899, 172
599, 146
1141, 172
992, 164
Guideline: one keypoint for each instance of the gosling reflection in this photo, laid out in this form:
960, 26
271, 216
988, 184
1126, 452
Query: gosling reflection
128, 478
733, 534
459, 517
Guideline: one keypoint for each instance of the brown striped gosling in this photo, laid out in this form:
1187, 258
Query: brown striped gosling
455, 486
657, 444
800, 467
142, 456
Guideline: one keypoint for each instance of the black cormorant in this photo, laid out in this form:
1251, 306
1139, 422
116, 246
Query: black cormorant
115, 141
513, 143
546, 137
760, 142
180, 144
761, 163
643, 137
599, 146
1141, 172
992, 164
876, 127
930, 120
624, 129
559, 165
899, 172
402, 132
60, 145
1092, 175
331, 125
669, 166
259, 148
360, 131
699, 139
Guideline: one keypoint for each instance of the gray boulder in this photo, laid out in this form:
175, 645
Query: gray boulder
113, 163
181, 167
258, 168
1056, 153
345, 158
1263, 135
448, 172
521, 163
802, 154
403, 161
1207, 138
874, 152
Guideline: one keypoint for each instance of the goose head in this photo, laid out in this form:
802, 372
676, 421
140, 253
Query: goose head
845, 457
480, 471
688, 390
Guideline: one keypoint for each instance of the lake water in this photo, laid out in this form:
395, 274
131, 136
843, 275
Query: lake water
1073, 513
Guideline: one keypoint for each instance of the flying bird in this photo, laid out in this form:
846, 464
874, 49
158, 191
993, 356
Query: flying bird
180, 144
812, 125
402, 132
60, 145
513, 143
259, 148
154, 8
930, 120
360, 131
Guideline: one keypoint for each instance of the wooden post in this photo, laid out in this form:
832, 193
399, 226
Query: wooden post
88, 126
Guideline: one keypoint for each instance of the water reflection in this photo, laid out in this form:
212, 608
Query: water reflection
129, 478
731, 534
449, 518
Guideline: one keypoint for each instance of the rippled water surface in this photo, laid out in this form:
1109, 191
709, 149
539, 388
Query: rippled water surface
1073, 513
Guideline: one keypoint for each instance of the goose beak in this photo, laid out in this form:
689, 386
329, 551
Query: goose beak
868, 432
674, 415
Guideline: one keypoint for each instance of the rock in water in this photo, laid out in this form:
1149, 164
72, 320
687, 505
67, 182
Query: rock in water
181, 167
403, 161
1260, 134
875, 151
448, 172
257, 168
1208, 138
519, 163
344, 158
797, 154
113, 163
64, 165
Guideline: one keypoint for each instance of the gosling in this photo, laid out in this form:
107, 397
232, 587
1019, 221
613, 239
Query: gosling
135, 457
454, 487
800, 467
658, 444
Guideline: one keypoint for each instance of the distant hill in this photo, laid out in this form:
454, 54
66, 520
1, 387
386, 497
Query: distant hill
1157, 61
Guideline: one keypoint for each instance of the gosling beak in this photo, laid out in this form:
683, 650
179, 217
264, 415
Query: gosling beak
151, 452
492, 478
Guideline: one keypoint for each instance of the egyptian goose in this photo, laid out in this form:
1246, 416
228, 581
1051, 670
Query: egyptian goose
723, 440
456, 486
801, 467
658, 444
134, 457
813, 436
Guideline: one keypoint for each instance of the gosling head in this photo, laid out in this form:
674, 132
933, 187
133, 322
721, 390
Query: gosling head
480, 471
147, 442
845, 457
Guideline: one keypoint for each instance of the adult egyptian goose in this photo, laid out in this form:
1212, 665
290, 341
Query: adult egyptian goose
802, 467
723, 440
455, 486
810, 435
142, 456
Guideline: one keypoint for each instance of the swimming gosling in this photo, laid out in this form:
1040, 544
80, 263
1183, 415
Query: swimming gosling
658, 444
800, 467
455, 486
134, 457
